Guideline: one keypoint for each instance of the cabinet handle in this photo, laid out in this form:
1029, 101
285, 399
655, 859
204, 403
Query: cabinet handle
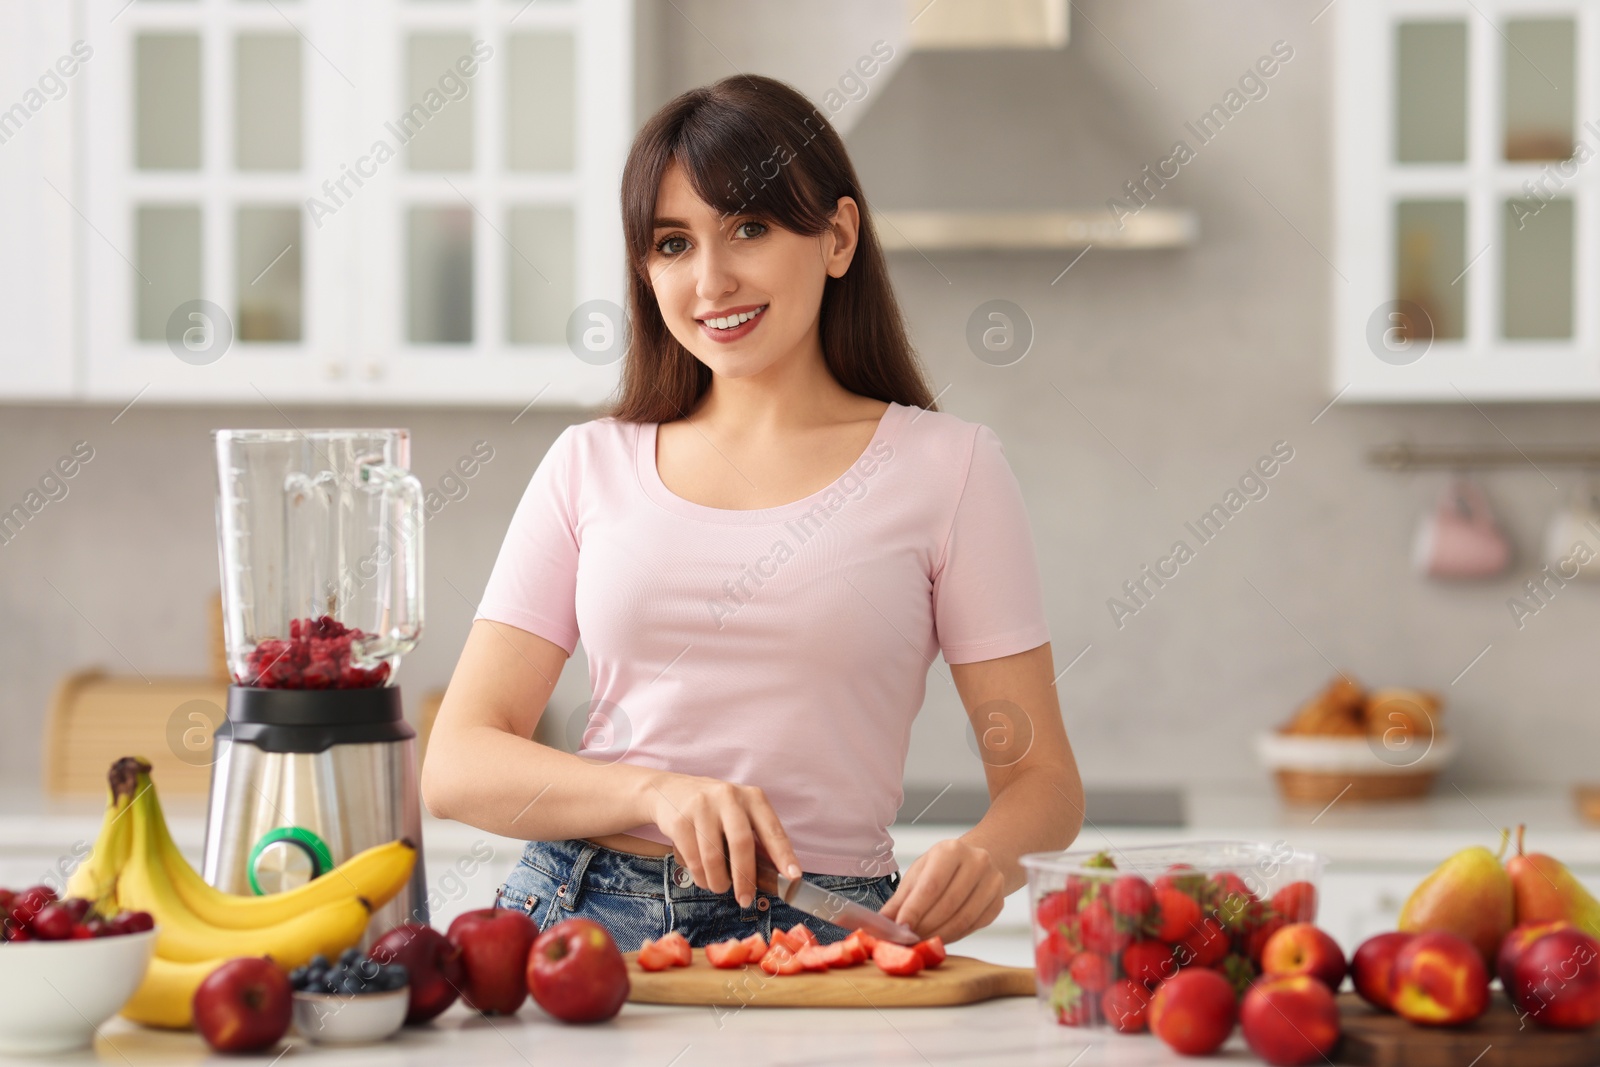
334, 370
374, 371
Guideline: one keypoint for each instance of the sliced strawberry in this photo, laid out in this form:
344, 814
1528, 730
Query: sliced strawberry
800, 934
813, 958
654, 956
866, 939
756, 947
897, 960
836, 954
931, 950
730, 953
678, 945
780, 959
854, 949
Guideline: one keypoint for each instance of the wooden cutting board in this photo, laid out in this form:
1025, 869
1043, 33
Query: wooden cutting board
958, 980
1498, 1039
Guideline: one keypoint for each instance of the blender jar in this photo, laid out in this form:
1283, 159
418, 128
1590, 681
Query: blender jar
320, 543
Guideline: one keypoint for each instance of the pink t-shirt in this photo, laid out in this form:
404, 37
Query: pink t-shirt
782, 647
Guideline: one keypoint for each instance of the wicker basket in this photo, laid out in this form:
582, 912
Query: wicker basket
1311, 769
1324, 787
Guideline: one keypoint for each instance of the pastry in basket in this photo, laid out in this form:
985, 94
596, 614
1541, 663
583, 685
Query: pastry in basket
1403, 717
1339, 710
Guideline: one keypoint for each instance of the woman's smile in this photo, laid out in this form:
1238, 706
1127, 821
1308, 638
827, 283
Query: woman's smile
733, 324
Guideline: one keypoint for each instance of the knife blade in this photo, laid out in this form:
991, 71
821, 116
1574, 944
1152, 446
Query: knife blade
829, 906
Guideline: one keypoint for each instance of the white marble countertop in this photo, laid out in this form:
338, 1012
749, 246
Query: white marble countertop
1013, 1030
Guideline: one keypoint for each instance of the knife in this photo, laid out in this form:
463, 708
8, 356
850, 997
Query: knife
829, 906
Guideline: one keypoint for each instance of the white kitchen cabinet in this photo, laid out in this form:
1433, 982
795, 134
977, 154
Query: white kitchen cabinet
372, 201
1468, 167
40, 80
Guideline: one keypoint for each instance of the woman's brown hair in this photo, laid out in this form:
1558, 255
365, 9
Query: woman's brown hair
753, 146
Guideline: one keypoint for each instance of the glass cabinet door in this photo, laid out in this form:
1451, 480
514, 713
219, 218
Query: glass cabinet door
208, 280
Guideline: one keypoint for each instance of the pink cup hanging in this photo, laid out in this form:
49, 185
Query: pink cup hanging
1461, 538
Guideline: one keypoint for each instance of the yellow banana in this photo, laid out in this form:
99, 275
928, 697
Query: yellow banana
184, 937
378, 874
166, 997
95, 879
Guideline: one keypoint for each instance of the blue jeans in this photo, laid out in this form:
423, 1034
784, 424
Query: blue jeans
638, 897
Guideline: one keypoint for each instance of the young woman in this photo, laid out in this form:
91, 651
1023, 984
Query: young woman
763, 545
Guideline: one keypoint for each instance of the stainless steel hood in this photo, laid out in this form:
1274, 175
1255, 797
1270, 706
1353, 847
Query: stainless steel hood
990, 134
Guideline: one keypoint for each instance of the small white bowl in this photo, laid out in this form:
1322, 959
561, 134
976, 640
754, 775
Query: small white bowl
353, 1019
54, 995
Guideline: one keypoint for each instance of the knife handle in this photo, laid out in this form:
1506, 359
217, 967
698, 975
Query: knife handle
770, 880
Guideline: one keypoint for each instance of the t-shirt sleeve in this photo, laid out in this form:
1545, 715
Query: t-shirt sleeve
987, 597
533, 585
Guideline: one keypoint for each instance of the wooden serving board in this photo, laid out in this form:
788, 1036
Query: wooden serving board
1497, 1039
958, 980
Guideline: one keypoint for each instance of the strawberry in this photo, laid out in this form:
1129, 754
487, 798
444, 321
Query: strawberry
1177, 914
780, 959
756, 946
931, 950
801, 935
897, 960
854, 948
866, 939
1125, 1004
1132, 897
1256, 939
730, 953
1184, 878
813, 958
1099, 930
1149, 962
1296, 902
1091, 971
654, 956
1205, 946
678, 945
1073, 1005
1053, 908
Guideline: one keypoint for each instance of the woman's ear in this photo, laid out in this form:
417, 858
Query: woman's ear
844, 227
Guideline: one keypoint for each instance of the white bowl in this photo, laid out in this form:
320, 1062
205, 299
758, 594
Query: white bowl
54, 995
1352, 755
356, 1019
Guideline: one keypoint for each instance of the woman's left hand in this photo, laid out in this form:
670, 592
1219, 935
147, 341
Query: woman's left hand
950, 890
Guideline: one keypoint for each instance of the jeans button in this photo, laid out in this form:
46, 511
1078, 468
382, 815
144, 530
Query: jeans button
681, 877
561, 890
761, 904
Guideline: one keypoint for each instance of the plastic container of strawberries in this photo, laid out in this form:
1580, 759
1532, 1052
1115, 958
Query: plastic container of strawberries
1109, 926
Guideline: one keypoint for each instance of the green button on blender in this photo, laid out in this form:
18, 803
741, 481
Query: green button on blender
287, 857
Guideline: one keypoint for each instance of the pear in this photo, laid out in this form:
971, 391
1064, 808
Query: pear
1546, 891
1470, 895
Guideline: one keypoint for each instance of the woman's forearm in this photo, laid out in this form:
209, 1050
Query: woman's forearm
516, 787
1040, 810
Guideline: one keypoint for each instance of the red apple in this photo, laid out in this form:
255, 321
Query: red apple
437, 973
1301, 948
1517, 942
1290, 1020
244, 1005
1372, 968
1557, 980
1194, 1011
1439, 980
494, 944
576, 973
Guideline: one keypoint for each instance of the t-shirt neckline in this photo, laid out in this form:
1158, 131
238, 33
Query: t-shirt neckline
656, 489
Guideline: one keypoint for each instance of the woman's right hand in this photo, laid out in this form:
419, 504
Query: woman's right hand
700, 814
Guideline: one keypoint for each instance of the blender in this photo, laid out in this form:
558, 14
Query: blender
319, 537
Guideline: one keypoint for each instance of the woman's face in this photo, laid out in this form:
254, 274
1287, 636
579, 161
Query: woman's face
705, 267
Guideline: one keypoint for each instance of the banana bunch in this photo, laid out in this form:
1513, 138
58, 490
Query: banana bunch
136, 866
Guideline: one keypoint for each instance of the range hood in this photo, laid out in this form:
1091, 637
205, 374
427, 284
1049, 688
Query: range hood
984, 105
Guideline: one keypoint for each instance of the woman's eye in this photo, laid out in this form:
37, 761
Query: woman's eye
760, 224
662, 246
